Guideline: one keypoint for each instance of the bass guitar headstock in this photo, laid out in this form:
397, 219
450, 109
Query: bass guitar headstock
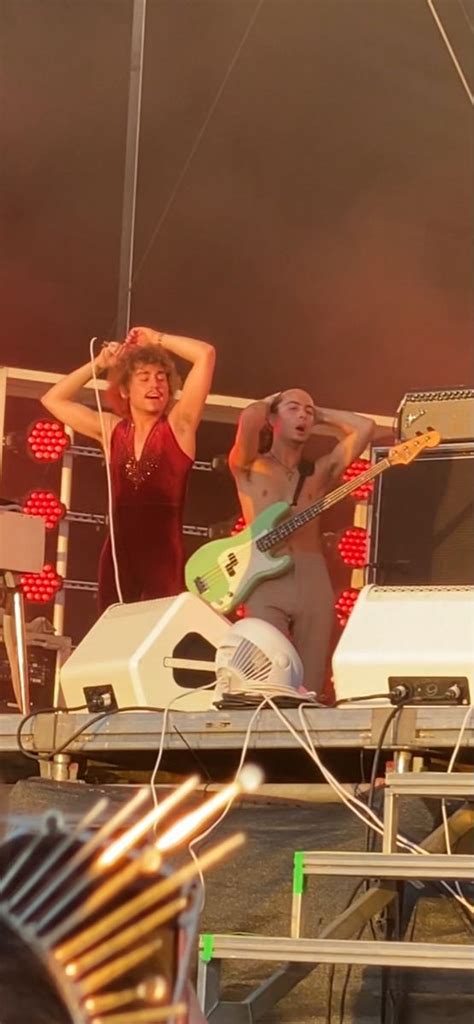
403, 454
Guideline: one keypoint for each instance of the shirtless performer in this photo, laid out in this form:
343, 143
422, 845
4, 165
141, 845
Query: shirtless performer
151, 446
299, 603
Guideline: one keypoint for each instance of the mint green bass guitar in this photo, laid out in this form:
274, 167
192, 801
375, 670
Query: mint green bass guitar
224, 572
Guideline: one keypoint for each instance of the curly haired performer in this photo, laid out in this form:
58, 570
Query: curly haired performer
150, 439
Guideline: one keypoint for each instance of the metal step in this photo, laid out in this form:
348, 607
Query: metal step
386, 865
454, 785
425, 955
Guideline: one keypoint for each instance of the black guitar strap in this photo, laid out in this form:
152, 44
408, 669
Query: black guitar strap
305, 468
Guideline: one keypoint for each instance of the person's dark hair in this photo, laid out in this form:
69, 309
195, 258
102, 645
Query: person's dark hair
27, 994
266, 434
274, 405
133, 357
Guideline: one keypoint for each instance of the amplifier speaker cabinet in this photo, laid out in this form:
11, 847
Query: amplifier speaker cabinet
46, 653
421, 520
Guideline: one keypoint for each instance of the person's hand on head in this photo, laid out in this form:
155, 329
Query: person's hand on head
143, 336
108, 355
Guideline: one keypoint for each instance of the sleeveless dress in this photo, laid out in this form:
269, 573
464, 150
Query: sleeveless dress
148, 500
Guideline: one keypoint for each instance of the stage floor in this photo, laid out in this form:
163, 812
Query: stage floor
415, 728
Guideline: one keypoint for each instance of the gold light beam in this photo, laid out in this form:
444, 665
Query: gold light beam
247, 782
128, 911
141, 827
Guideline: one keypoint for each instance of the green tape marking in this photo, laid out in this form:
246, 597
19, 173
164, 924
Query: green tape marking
298, 873
207, 947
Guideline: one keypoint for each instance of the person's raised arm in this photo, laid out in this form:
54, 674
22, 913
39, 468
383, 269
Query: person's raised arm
59, 400
185, 416
247, 440
356, 430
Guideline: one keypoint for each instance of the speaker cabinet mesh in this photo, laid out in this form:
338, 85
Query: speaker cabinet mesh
422, 529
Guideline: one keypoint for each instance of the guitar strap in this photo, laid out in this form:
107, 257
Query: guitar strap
305, 468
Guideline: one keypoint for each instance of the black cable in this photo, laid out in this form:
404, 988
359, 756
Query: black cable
332, 970
345, 984
369, 834
33, 714
83, 728
197, 759
375, 764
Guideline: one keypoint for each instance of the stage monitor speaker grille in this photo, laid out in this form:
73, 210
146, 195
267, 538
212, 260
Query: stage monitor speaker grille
422, 529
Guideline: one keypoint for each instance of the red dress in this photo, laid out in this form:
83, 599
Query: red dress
148, 499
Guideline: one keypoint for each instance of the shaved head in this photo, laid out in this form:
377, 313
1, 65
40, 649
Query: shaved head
296, 395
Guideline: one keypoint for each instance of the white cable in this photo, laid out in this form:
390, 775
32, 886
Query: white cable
376, 823
401, 840
450, 50
156, 766
459, 739
105, 445
267, 701
204, 835
449, 769
368, 817
365, 814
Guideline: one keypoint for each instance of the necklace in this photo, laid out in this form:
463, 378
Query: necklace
289, 472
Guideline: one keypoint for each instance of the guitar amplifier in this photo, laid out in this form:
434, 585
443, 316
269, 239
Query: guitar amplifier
450, 412
421, 520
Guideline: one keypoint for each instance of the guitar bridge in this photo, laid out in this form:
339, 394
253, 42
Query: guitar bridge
200, 584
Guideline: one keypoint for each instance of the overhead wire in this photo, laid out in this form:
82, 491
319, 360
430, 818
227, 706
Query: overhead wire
197, 141
450, 50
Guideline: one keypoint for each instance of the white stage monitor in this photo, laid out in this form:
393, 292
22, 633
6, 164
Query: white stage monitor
147, 654
418, 637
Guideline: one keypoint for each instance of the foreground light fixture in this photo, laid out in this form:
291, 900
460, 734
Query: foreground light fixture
113, 934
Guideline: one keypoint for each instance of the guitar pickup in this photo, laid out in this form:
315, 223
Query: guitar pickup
231, 564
